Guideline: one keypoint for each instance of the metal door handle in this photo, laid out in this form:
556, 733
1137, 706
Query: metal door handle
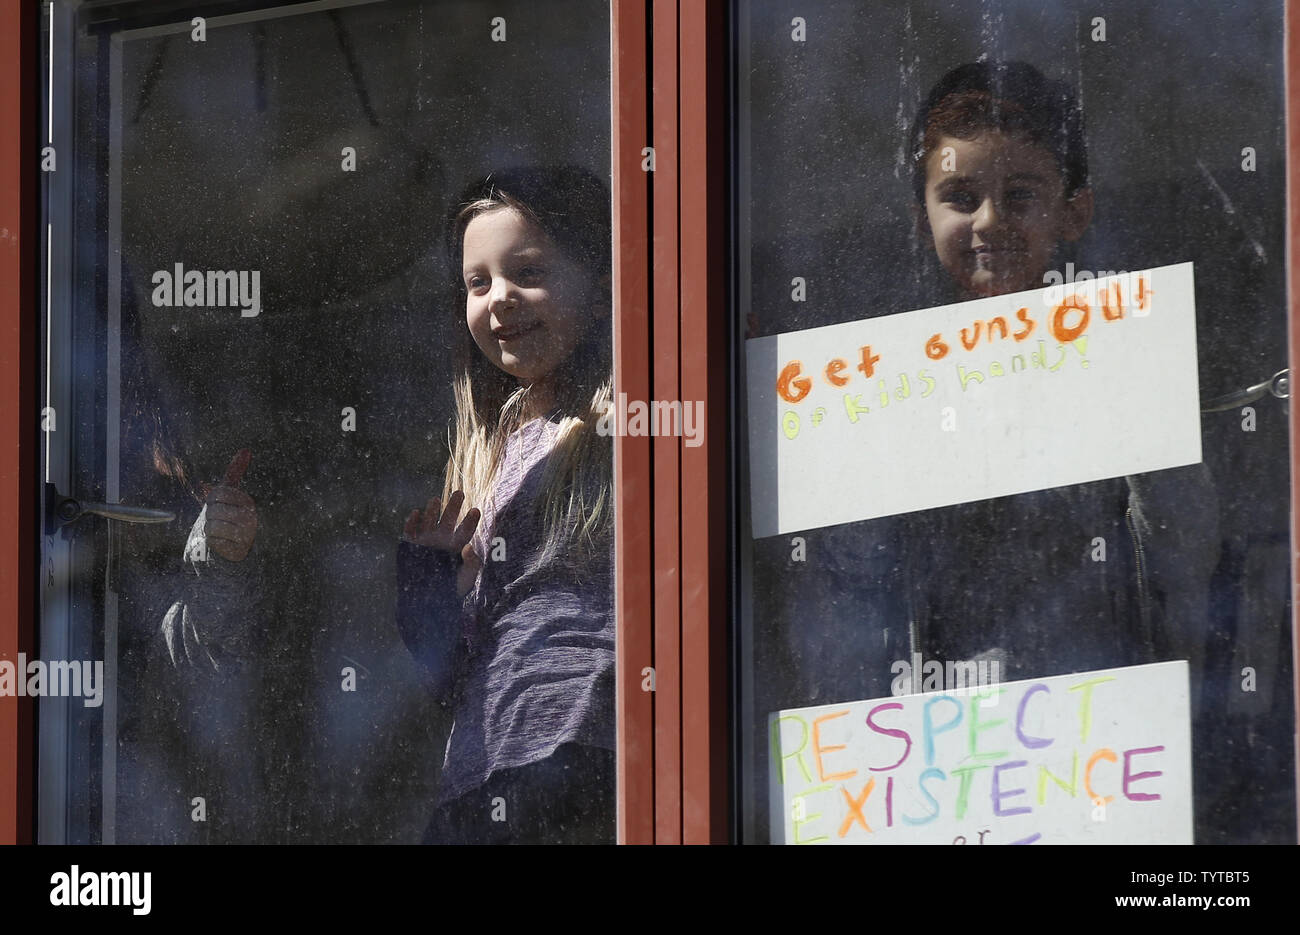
1279, 384
62, 511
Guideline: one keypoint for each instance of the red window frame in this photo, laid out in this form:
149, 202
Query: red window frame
19, 151
670, 343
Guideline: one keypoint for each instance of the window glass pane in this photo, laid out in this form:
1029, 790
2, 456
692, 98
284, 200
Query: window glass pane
1013, 484
269, 319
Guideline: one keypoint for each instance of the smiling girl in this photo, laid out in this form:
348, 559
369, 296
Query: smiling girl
509, 606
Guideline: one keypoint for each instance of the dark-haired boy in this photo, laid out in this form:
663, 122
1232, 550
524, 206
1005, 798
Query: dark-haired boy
1000, 173
1000, 177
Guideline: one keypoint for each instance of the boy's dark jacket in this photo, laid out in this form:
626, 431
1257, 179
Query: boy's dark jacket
1112, 573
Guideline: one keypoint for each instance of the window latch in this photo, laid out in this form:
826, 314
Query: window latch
62, 511
1279, 385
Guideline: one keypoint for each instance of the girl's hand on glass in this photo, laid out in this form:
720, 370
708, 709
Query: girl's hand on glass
437, 527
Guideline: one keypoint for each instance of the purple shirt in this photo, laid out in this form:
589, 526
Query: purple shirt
528, 657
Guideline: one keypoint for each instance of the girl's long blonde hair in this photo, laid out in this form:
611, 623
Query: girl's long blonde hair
576, 498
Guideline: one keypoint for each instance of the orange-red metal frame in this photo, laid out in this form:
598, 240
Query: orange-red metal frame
704, 372
670, 345
19, 150
632, 474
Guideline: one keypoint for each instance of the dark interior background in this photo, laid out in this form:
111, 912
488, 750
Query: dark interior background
231, 159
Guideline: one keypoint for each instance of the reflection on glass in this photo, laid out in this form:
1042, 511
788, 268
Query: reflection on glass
256, 331
1007, 149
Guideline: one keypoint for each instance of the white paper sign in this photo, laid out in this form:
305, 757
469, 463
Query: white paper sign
1093, 757
981, 399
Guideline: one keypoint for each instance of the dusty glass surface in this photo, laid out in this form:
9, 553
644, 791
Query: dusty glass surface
1182, 123
257, 688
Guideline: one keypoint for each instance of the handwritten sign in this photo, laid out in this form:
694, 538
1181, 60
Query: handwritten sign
1005, 395
1094, 757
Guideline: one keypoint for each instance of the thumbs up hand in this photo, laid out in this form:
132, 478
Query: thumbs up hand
231, 514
